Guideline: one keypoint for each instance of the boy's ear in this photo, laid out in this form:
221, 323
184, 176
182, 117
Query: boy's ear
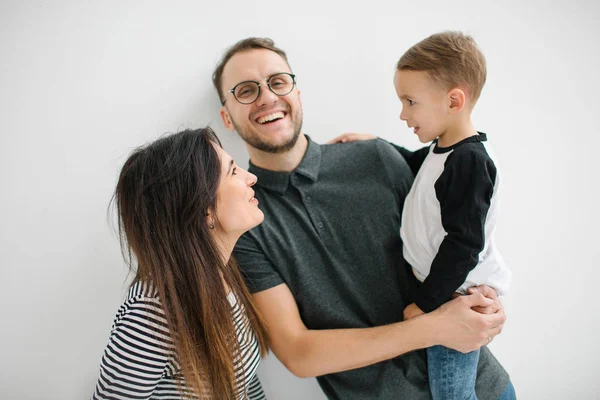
226, 119
457, 99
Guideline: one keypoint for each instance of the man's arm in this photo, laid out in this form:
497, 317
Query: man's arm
307, 352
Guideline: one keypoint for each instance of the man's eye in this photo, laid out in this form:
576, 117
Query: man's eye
246, 91
234, 171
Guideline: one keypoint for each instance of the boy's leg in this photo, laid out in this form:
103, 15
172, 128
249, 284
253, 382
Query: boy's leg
452, 374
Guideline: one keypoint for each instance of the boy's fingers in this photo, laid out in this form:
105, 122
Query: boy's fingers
478, 300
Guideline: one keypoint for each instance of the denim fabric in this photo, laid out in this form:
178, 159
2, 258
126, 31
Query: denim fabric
509, 393
452, 374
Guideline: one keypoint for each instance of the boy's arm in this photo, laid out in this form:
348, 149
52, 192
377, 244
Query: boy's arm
413, 158
464, 191
307, 352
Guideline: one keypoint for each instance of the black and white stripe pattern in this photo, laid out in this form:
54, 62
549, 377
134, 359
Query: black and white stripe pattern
139, 360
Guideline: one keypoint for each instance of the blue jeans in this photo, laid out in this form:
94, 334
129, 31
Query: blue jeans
452, 374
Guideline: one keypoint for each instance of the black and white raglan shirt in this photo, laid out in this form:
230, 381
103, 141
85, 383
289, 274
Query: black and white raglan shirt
449, 220
139, 361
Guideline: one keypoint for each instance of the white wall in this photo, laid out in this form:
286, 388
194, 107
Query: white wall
82, 83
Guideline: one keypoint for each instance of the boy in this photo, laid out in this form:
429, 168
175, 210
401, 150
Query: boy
450, 213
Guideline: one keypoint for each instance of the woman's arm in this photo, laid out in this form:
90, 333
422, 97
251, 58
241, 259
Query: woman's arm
137, 352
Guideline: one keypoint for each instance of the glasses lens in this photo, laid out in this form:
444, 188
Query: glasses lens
281, 84
246, 92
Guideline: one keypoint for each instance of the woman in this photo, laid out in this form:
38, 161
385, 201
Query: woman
188, 328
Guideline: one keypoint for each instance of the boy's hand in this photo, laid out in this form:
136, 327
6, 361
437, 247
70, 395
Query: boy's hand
489, 293
351, 137
412, 311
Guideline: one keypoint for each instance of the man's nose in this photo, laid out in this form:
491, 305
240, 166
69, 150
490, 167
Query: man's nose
266, 96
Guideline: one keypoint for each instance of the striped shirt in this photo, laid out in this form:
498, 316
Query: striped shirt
139, 361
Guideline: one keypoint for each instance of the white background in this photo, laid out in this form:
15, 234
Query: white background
83, 83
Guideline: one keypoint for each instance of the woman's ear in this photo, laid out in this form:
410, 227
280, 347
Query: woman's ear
210, 221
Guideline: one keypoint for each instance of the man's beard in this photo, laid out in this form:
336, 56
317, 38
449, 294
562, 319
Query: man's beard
255, 141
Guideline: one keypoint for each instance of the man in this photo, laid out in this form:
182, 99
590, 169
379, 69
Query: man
325, 268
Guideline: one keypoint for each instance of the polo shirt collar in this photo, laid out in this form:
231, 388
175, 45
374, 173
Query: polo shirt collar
278, 181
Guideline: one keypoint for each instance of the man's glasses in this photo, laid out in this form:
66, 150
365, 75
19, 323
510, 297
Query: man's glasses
248, 92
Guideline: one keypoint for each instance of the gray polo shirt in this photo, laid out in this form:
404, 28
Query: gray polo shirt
331, 234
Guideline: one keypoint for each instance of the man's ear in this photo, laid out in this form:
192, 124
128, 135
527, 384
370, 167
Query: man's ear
457, 99
226, 119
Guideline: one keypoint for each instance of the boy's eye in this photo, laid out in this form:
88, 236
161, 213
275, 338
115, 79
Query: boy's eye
410, 102
234, 171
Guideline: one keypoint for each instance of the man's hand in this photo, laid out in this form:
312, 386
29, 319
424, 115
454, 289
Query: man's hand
351, 137
491, 294
412, 311
461, 328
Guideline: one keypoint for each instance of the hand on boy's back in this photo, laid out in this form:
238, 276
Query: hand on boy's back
412, 311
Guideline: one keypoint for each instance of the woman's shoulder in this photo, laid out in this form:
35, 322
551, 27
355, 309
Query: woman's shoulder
142, 306
142, 289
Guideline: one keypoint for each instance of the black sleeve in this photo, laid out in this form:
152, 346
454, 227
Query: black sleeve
464, 190
413, 158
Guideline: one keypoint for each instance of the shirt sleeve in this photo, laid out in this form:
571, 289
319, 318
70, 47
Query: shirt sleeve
255, 390
413, 158
397, 170
464, 191
257, 269
137, 353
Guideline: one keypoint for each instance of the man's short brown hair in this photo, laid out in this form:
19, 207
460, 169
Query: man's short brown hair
451, 59
251, 43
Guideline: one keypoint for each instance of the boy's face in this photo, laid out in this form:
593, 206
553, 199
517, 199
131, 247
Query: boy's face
425, 105
281, 129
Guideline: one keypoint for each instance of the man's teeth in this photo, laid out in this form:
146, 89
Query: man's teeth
270, 117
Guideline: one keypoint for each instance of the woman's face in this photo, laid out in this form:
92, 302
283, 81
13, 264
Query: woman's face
236, 209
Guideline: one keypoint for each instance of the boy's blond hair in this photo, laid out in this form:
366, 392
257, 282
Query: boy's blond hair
452, 59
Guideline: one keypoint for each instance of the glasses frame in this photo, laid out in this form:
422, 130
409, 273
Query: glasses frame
268, 81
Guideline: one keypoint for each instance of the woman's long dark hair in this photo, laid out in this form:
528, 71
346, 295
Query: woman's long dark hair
164, 193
